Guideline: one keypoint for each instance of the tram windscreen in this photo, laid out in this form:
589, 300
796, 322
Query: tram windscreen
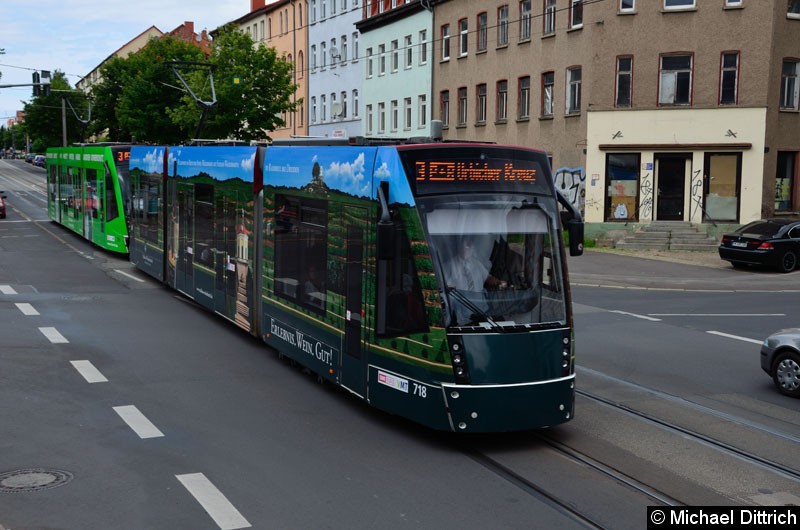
497, 258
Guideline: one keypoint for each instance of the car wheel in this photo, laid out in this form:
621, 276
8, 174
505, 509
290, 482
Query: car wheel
786, 373
788, 261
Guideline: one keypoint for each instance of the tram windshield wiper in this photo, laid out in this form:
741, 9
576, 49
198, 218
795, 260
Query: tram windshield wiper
461, 297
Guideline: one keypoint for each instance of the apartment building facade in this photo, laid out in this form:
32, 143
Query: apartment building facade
658, 110
283, 25
334, 68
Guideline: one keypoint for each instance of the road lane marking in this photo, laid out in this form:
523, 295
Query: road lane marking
7, 289
27, 309
132, 277
54, 336
736, 337
138, 422
643, 317
213, 501
89, 372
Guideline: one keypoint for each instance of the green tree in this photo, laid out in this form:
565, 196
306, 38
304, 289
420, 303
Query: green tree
44, 117
250, 109
105, 99
150, 92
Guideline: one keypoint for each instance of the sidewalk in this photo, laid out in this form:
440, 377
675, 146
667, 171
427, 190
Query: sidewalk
673, 270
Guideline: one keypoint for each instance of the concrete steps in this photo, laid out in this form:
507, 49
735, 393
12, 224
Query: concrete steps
669, 235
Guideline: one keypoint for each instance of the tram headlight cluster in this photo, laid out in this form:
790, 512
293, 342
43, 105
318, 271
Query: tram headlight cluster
566, 355
459, 361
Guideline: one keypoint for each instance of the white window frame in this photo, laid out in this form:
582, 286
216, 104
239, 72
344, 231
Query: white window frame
355, 103
370, 64
481, 97
549, 18
573, 95
463, 110
381, 59
395, 55
381, 117
422, 103
444, 107
423, 47
790, 85
370, 123
575, 14
524, 95
525, 20
627, 6
502, 26
502, 100
394, 116
463, 37
409, 52
548, 91
445, 31
407, 116
793, 9
483, 31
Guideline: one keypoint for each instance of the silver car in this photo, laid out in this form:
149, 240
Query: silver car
780, 358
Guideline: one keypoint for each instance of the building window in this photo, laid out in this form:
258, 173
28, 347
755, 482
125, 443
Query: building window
334, 53
678, 4
381, 59
733, 3
573, 90
313, 11
548, 80
323, 55
395, 56
675, 87
343, 113
525, 20
444, 107
462, 106
524, 98
446, 42
381, 117
409, 54
355, 47
483, 31
423, 47
624, 91
463, 37
785, 181
369, 62
369, 119
395, 115
407, 113
729, 76
355, 103
576, 13
789, 85
627, 6
313, 57
480, 94
422, 101
502, 100
794, 9
323, 108
502, 25
549, 17
343, 52
622, 195
313, 109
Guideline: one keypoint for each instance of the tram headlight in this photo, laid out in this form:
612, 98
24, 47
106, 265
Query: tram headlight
458, 360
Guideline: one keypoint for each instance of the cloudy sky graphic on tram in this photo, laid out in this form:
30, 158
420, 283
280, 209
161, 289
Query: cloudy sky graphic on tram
149, 159
221, 162
354, 171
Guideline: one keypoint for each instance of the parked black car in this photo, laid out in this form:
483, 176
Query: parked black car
780, 358
771, 242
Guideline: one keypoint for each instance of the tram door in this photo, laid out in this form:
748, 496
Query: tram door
184, 273
354, 358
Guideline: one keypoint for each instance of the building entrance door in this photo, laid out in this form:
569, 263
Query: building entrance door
671, 172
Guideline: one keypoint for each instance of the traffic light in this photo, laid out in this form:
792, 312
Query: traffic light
36, 81
46, 82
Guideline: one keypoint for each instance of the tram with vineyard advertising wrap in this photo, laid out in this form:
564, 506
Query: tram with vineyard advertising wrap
428, 279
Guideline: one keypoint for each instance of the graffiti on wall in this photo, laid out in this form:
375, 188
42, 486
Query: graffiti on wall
646, 203
696, 203
571, 182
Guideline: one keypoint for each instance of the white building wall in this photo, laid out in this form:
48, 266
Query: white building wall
693, 131
339, 74
407, 85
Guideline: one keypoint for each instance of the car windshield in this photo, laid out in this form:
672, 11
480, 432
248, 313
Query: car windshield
498, 259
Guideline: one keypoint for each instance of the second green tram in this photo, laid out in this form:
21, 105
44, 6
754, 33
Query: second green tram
88, 192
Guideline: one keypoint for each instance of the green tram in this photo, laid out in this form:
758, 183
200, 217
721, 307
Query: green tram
343, 257
88, 192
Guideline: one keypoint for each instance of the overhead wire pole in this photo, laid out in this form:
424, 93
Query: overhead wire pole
205, 106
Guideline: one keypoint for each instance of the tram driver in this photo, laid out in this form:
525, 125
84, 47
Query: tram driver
467, 272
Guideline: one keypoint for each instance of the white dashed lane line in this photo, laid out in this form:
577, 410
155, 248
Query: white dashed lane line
138, 422
213, 501
89, 372
7, 289
27, 309
54, 336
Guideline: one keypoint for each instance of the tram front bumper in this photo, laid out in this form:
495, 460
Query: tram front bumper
515, 407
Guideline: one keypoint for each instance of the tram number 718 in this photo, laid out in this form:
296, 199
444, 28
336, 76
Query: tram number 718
420, 390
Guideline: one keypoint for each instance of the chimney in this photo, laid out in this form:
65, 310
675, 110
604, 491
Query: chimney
189, 27
257, 4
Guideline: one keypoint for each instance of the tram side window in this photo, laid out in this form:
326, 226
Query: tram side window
53, 182
204, 224
399, 295
112, 209
301, 251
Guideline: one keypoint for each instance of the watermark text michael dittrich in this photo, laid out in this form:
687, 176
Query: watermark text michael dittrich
715, 516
